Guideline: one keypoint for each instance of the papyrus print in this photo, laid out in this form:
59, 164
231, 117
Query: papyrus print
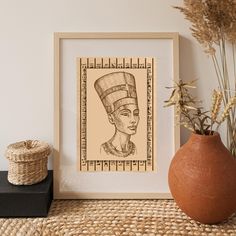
115, 114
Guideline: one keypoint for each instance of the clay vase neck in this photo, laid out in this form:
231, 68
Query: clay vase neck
206, 143
205, 139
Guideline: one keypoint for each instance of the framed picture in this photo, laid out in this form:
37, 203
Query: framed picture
113, 137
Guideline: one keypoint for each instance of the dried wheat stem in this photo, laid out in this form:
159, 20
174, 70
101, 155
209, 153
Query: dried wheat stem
216, 103
227, 109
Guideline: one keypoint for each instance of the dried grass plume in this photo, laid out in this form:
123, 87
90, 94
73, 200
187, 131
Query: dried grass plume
213, 24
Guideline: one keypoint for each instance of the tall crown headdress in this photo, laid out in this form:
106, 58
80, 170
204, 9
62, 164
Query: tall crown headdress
116, 89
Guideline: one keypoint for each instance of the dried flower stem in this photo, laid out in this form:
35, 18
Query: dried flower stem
191, 116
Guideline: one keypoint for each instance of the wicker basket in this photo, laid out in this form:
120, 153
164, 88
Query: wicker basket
27, 162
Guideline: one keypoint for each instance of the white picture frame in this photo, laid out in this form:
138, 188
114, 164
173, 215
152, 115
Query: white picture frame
69, 183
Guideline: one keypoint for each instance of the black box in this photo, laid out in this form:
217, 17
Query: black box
25, 200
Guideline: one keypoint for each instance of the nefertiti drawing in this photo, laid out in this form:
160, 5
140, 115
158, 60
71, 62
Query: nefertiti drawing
117, 92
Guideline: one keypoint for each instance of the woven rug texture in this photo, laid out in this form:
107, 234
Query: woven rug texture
112, 218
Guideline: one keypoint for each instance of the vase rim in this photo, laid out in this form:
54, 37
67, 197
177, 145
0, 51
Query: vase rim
215, 135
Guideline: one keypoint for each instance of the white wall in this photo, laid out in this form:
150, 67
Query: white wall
26, 54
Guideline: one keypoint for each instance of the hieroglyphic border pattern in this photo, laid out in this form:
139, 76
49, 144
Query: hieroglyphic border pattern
107, 63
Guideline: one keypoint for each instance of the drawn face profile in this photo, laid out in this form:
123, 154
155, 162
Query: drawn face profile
125, 119
117, 92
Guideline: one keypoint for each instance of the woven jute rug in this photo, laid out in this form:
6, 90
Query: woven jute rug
113, 217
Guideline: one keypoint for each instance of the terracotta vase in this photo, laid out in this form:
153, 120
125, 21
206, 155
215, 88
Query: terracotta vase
202, 179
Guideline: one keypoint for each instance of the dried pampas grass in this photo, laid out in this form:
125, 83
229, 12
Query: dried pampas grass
213, 24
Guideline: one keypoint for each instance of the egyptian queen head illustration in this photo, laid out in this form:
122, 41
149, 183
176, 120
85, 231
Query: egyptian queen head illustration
117, 92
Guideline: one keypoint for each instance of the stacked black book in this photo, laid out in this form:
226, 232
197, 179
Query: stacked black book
25, 201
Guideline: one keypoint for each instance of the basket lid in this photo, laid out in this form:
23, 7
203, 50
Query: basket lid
28, 150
